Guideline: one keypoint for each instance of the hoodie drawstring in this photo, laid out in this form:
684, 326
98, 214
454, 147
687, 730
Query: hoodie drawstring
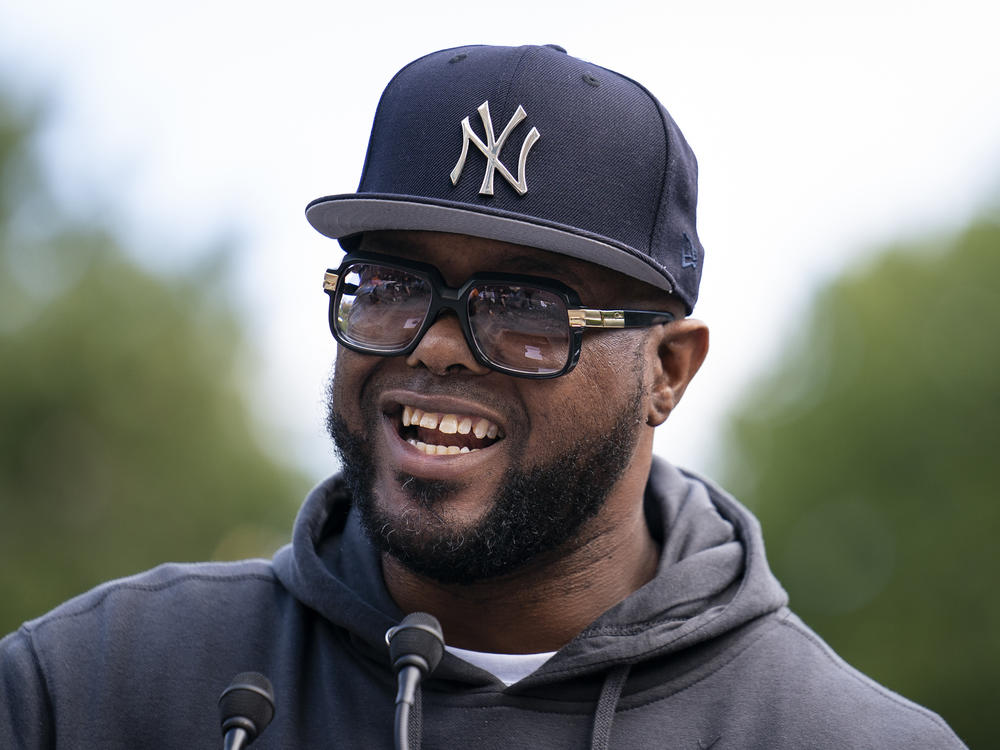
604, 714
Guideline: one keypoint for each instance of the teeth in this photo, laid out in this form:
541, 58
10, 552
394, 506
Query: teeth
449, 424
439, 450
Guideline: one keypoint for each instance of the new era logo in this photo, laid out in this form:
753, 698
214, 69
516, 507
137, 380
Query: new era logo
690, 257
492, 148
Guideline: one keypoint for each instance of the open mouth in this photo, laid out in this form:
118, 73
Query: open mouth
443, 434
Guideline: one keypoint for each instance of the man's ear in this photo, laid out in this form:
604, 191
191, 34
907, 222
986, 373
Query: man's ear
676, 352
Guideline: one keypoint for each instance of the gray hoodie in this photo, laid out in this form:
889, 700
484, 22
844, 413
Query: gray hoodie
706, 655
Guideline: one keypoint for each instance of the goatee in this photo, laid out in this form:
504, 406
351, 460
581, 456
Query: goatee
538, 509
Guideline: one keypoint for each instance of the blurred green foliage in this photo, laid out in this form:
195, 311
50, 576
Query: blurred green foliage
125, 438
869, 455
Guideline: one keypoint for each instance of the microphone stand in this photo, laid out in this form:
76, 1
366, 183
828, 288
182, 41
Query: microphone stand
416, 646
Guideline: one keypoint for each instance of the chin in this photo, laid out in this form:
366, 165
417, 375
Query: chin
433, 505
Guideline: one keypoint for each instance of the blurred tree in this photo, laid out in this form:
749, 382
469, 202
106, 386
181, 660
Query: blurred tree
868, 456
125, 438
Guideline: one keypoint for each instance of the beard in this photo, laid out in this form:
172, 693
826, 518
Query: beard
537, 510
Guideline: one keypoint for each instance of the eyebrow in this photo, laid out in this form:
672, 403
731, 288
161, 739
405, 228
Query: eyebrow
395, 244
384, 243
536, 266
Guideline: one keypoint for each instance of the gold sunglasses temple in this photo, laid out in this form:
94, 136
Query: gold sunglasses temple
596, 318
329, 281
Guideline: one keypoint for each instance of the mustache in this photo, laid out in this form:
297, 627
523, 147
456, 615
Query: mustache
469, 387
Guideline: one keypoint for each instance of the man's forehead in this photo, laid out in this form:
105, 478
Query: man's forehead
458, 254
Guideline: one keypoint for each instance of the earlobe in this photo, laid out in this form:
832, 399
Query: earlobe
677, 351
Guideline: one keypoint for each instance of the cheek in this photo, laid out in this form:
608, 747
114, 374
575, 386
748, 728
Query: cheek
584, 402
350, 370
611, 370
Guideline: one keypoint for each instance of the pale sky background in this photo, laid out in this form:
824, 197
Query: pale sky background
822, 130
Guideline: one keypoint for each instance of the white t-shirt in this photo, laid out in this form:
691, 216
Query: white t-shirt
508, 668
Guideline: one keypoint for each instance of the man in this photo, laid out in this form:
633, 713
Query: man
511, 314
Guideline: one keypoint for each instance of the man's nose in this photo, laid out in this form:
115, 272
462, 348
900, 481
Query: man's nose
443, 349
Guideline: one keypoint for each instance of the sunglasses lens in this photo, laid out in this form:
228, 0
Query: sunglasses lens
520, 328
381, 308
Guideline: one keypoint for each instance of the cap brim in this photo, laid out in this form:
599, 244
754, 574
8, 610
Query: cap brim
340, 216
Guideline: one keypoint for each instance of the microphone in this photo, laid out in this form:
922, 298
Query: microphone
246, 707
416, 646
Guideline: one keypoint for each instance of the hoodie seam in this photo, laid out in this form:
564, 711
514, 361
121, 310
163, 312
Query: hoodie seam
36, 661
639, 627
857, 677
149, 588
643, 625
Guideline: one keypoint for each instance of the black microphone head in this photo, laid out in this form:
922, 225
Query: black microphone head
418, 635
247, 703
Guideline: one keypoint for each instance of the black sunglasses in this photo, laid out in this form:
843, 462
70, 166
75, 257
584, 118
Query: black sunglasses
518, 325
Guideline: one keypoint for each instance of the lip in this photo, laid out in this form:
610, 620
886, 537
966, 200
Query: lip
412, 461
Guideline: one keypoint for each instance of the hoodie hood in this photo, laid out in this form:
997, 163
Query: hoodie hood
712, 579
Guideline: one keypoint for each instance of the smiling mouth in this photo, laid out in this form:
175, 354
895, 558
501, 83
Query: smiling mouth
444, 434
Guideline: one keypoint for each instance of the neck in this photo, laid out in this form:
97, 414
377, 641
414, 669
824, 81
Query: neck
544, 605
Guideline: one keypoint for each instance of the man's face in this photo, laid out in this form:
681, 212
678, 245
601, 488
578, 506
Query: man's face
542, 455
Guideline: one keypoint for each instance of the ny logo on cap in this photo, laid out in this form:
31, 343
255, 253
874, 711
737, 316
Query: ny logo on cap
492, 148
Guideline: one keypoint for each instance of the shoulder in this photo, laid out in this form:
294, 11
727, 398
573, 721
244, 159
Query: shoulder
821, 695
197, 585
197, 607
145, 649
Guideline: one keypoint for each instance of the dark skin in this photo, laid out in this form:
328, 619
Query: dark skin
543, 605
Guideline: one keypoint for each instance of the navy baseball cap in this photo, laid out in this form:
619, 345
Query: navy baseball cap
531, 146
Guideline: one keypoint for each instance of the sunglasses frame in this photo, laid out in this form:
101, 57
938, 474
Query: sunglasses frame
444, 297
